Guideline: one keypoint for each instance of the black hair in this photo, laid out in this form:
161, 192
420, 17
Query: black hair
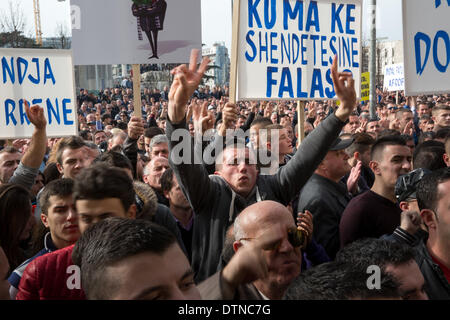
60, 187
338, 280
15, 209
381, 143
113, 240
72, 142
102, 181
114, 159
427, 189
166, 180
430, 158
362, 143
369, 251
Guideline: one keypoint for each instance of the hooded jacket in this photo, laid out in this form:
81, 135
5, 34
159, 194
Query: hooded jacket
216, 205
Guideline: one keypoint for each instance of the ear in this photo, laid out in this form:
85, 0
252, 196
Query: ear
357, 155
44, 220
446, 159
131, 213
166, 194
429, 218
59, 167
145, 179
375, 167
236, 245
404, 206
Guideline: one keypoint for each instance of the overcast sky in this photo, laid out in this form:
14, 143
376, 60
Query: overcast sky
216, 18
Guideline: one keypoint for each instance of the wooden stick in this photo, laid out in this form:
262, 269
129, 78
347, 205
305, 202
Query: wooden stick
301, 120
137, 102
234, 52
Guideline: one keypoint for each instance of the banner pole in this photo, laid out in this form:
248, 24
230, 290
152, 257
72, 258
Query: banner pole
137, 102
234, 51
301, 120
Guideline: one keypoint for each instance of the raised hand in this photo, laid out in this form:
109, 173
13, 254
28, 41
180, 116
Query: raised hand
229, 117
362, 127
344, 86
248, 263
352, 181
36, 116
183, 86
305, 223
409, 128
202, 119
135, 128
410, 221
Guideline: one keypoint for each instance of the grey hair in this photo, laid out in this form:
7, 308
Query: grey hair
160, 138
93, 146
238, 231
146, 168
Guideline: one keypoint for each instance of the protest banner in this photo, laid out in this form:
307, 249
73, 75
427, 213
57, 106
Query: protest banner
40, 77
286, 48
135, 31
394, 78
365, 86
426, 43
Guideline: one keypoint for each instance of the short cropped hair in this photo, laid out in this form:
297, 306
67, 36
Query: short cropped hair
430, 158
380, 145
369, 251
114, 159
167, 180
362, 143
438, 108
111, 241
427, 189
261, 122
72, 142
102, 181
338, 280
59, 187
160, 138
153, 131
9, 149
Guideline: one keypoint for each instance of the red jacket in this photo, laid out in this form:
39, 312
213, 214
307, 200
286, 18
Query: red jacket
46, 278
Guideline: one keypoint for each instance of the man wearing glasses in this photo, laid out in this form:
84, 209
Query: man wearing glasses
274, 266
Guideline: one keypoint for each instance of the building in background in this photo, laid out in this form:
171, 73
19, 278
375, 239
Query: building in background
388, 52
94, 77
219, 73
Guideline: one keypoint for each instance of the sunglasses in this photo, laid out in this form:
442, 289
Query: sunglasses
297, 238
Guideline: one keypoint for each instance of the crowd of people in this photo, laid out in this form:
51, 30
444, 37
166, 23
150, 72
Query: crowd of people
355, 207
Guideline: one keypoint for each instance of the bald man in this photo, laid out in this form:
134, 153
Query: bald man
280, 261
152, 175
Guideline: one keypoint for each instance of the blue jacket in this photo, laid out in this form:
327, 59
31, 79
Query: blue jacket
16, 275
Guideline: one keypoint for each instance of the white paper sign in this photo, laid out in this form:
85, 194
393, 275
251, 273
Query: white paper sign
426, 42
40, 77
394, 77
135, 31
286, 47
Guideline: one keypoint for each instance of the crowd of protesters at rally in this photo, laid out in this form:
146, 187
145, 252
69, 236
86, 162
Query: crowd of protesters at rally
112, 214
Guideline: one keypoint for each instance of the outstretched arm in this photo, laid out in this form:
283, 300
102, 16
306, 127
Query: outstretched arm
292, 177
191, 174
183, 86
32, 159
